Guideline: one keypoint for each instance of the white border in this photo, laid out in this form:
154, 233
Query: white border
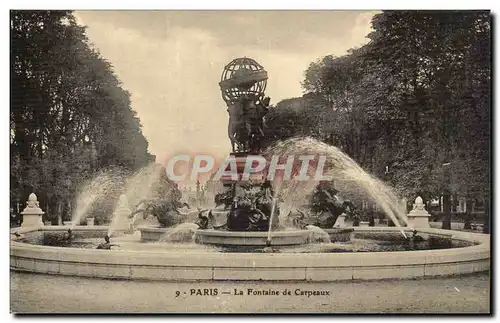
186, 4
253, 4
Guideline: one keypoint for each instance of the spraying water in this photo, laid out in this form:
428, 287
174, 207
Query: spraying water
138, 188
96, 189
120, 216
294, 195
318, 235
349, 177
141, 185
273, 210
183, 232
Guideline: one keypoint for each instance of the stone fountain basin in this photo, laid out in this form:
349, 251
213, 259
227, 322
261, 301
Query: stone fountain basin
196, 266
340, 234
82, 231
235, 238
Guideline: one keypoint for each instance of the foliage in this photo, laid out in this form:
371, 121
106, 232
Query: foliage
69, 115
412, 100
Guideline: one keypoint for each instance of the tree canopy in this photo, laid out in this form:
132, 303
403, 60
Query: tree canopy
69, 113
412, 106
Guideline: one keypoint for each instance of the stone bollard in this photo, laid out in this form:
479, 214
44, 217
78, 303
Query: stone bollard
32, 214
418, 217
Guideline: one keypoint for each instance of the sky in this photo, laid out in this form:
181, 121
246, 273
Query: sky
171, 62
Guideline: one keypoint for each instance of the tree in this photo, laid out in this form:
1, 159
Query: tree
413, 99
69, 115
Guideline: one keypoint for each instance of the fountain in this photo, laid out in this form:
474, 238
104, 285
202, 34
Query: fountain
256, 216
253, 211
94, 190
139, 190
260, 220
120, 220
349, 177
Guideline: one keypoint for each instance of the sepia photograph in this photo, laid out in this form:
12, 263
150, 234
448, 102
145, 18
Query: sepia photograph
250, 161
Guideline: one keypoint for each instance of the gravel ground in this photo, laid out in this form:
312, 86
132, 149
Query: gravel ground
34, 293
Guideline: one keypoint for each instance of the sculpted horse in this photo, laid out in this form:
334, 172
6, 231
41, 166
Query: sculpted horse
247, 218
326, 217
167, 213
251, 211
207, 220
147, 207
203, 220
225, 199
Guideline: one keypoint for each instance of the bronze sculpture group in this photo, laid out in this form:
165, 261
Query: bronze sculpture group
325, 208
243, 83
246, 123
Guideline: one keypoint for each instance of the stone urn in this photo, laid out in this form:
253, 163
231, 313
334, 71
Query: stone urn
90, 222
32, 213
418, 217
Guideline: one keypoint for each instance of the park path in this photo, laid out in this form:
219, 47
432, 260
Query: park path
45, 294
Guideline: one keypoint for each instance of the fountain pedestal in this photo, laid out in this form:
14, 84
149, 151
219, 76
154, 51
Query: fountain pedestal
418, 217
32, 214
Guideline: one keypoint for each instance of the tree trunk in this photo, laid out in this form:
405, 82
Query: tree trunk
486, 224
59, 213
371, 222
468, 214
70, 211
48, 216
454, 202
447, 211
